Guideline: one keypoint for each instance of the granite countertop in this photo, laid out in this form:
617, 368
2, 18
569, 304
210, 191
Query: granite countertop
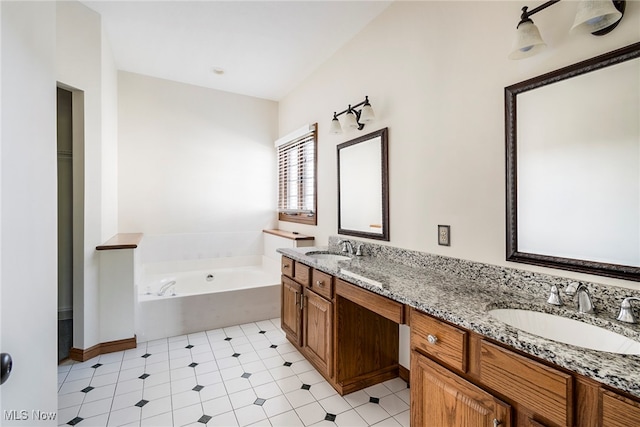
464, 301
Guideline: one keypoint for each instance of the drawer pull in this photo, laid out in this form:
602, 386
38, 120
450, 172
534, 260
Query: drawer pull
432, 339
285, 266
320, 283
496, 423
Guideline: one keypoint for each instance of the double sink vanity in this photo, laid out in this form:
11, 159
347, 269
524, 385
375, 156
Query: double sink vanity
486, 348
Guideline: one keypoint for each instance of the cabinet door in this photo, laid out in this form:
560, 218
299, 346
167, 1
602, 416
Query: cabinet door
290, 317
318, 327
618, 411
441, 398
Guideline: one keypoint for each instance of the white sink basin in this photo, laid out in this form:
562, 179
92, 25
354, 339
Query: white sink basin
568, 331
327, 256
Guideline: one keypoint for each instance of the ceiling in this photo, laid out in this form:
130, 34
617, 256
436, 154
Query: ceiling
265, 48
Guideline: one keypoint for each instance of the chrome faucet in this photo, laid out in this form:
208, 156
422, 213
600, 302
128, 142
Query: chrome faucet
359, 248
166, 286
626, 313
347, 246
585, 305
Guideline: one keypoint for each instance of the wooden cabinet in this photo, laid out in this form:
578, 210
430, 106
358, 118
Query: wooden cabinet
454, 370
545, 391
322, 284
307, 316
349, 334
318, 331
440, 340
290, 310
441, 398
458, 377
618, 411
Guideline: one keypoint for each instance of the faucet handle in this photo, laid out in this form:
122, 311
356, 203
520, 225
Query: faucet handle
571, 289
626, 313
359, 247
554, 296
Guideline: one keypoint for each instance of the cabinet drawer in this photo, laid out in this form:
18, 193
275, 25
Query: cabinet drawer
301, 273
322, 284
546, 391
618, 411
286, 267
446, 343
383, 306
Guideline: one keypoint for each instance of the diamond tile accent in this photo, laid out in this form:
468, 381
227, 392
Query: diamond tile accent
75, 421
235, 355
287, 364
259, 401
189, 347
228, 339
193, 364
145, 355
273, 346
262, 332
330, 417
86, 390
204, 419
144, 376
198, 388
97, 365
305, 387
245, 375
374, 400
141, 403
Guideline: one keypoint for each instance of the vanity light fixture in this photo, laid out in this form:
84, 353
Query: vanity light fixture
598, 17
353, 119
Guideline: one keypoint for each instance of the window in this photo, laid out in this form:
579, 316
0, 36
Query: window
297, 176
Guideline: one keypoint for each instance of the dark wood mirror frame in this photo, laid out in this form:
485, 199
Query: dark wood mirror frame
384, 186
510, 97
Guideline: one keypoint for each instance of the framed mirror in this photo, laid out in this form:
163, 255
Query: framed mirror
363, 186
573, 167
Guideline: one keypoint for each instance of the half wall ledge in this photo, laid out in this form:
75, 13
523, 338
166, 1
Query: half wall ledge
121, 241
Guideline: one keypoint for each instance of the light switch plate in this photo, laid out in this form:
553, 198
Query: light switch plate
444, 235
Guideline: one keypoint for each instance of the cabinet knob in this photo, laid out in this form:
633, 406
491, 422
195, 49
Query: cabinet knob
496, 423
432, 339
285, 266
320, 283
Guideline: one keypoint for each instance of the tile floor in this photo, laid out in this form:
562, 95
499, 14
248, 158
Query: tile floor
237, 376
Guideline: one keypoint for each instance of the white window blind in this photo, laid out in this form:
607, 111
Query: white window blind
297, 174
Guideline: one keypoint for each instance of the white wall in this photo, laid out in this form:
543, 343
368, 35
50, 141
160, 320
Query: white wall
435, 73
197, 167
84, 63
109, 141
28, 207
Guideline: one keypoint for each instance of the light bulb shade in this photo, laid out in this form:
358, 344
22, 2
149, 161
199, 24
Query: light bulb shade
366, 115
595, 15
335, 128
350, 121
528, 41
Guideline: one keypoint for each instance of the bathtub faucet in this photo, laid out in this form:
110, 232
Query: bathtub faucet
165, 287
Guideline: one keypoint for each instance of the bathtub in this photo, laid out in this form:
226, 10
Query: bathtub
204, 297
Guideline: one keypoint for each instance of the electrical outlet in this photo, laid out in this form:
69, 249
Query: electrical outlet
444, 235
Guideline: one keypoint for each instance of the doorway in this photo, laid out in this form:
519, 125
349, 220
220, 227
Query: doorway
65, 221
